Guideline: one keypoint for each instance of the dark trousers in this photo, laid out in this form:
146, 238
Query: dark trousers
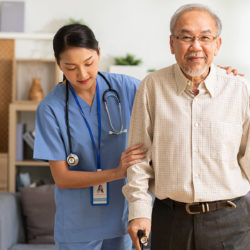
224, 229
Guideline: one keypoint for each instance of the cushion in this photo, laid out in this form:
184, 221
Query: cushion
33, 247
39, 210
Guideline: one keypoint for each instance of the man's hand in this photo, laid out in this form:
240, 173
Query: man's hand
138, 224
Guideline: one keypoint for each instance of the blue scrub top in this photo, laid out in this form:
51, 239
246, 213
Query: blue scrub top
76, 220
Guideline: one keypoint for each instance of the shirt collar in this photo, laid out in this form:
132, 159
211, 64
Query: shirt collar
182, 82
211, 81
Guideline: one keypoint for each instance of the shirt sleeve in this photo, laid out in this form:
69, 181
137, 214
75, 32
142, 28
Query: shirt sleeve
244, 154
49, 144
139, 175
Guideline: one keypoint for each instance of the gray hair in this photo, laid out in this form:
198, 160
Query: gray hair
190, 7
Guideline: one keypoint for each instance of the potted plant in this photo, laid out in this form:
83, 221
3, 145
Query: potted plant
74, 21
129, 59
128, 65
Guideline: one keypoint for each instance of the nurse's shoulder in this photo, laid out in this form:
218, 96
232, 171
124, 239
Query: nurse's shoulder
54, 100
55, 96
121, 81
125, 85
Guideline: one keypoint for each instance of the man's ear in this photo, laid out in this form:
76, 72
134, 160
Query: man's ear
218, 45
171, 41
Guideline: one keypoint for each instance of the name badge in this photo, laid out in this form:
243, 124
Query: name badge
100, 195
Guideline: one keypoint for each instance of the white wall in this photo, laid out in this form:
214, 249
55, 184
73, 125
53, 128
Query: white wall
141, 27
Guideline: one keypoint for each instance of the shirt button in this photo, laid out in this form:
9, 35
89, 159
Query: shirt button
196, 124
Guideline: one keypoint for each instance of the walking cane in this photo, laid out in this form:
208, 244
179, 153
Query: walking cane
143, 239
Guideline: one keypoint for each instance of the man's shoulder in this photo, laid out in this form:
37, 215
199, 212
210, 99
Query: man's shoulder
221, 73
231, 80
159, 76
158, 80
163, 73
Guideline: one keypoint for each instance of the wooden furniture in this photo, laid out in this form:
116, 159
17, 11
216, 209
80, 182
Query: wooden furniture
3, 171
23, 57
22, 111
6, 58
26, 69
15, 111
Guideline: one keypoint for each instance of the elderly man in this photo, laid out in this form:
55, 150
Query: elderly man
194, 120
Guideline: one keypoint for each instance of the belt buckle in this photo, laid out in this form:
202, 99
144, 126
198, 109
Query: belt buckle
187, 207
231, 204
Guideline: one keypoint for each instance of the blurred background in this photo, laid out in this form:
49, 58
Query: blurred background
28, 72
141, 27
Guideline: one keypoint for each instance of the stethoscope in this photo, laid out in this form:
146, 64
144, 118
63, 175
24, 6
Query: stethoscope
73, 159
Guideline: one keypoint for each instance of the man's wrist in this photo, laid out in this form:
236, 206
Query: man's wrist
142, 209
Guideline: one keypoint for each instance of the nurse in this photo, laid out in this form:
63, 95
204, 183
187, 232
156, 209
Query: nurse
87, 217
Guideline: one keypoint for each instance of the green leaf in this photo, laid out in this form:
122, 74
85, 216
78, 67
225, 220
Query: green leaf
129, 59
73, 21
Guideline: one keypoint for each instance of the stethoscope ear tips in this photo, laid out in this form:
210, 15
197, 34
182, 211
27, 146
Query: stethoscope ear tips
72, 160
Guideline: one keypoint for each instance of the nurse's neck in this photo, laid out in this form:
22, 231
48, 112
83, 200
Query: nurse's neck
87, 94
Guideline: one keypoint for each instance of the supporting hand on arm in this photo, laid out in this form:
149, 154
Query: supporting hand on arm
65, 178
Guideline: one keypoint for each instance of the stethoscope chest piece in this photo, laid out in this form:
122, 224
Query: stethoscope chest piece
72, 159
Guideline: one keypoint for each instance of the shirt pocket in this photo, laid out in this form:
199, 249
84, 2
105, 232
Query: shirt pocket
224, 140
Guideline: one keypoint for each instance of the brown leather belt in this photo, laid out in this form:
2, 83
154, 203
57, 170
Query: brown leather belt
204, 207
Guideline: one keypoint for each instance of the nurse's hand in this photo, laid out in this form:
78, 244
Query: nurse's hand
138, 224
130, 157
229, 69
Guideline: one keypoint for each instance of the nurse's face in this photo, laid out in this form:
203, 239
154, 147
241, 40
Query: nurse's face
80, 66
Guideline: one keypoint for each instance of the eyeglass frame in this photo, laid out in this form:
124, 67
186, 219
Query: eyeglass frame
194, 38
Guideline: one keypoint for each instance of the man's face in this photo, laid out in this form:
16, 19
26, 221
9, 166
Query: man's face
194, 56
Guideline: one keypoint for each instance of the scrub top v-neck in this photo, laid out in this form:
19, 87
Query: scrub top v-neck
76, 219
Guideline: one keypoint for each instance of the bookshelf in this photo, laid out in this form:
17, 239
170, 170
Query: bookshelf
23, 111
15, 109
3, 171
25, 69
23, 56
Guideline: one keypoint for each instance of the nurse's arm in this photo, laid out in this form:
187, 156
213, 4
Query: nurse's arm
65, 178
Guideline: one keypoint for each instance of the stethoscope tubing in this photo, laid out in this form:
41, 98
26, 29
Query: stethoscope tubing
113, 131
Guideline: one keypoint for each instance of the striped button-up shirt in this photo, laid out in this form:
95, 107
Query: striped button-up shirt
198, 145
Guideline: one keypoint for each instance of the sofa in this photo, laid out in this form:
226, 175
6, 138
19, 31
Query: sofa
13, 232
13, 236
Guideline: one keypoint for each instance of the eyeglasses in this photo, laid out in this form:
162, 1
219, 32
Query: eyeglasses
203, 39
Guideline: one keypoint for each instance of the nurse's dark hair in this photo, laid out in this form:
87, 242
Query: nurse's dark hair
74, 35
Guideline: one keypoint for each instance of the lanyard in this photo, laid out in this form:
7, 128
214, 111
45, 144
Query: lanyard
97, 150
